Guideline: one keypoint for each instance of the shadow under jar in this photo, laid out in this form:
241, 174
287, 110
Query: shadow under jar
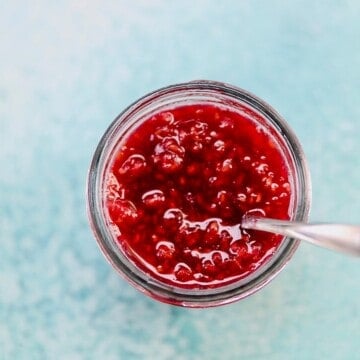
171, 179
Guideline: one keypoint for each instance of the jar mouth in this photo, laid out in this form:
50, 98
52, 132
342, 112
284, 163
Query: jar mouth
190, 93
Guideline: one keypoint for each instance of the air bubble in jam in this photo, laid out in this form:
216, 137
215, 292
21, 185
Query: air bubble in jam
178, 187
153, 198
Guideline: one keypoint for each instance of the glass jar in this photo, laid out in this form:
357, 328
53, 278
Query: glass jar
196, 92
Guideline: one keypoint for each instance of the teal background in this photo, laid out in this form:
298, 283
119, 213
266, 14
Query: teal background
67, 68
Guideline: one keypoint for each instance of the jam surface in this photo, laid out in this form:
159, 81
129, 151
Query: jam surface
177, 186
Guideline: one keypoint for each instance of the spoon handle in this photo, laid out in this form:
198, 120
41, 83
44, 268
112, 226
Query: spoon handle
340, 237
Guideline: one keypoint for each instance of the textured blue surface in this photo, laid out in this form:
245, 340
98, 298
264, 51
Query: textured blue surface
67, 68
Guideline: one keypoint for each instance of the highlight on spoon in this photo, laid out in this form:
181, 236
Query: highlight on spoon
340, 237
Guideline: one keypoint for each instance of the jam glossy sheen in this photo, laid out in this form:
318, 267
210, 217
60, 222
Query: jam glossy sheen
178, 185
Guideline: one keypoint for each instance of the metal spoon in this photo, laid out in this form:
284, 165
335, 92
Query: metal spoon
339, 237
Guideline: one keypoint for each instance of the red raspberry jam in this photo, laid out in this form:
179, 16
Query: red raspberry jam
178, 184
171, 179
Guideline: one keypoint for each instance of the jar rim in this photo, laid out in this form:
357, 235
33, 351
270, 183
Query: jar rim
153, 287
